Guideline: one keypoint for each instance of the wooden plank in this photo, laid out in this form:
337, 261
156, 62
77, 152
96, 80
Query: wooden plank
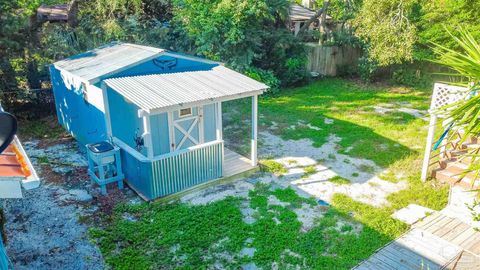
467, 261
475, 248
452, 234
401, 260
410, 256
439, 224
454, 223
379, 264
428, 220
464, 236
428, 246
365, 265
470, 243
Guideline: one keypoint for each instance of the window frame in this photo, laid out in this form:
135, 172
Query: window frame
190, 113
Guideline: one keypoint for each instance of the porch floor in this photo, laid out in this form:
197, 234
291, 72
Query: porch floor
235, 163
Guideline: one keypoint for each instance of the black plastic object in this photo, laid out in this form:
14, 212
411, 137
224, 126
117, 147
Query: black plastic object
8, 129
100, 147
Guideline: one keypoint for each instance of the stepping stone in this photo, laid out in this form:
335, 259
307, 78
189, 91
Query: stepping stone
412, 213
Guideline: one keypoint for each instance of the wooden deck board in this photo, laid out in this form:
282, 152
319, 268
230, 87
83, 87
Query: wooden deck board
428, 245
467, 261
405, 259
455, 232
448, 228
408, 256
437, 242
235, 163
429, 219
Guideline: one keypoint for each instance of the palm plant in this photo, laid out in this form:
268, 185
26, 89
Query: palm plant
464, 114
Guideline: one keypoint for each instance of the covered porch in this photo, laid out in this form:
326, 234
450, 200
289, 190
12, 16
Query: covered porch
179, 142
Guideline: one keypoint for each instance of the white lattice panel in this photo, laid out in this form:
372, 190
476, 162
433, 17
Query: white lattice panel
444, 94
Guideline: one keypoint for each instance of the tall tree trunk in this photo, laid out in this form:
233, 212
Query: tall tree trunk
324, 33
73, 13
319, 13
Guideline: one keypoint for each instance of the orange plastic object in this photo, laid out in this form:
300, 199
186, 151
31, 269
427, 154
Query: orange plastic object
21, 160
12, 163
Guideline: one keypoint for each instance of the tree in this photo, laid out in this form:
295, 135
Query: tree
436, 16
242, 33
387, 29
319, 13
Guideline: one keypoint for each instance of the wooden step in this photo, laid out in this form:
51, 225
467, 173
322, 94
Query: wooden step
456, 153
446, 176
470, 146
471, 139
455, 167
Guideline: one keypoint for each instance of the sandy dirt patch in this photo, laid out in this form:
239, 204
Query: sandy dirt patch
365, 185
47, 228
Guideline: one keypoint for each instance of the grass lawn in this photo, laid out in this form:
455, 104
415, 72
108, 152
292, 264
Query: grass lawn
177, 235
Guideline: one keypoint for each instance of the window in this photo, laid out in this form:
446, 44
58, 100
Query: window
185, 112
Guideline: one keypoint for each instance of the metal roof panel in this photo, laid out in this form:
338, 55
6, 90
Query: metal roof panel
161, 91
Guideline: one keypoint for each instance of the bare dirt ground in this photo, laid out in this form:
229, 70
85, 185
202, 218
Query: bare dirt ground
47, 228
365, 185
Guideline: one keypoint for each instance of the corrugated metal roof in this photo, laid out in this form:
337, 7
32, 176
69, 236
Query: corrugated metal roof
170, 90
106, 59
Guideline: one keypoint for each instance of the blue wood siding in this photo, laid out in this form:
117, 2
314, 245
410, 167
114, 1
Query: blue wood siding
83, 120
138, 174
210, 124
160, 134
154, 67
4, 262
124, 119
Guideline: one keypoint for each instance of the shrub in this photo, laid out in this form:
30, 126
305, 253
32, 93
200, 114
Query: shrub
295, 71
410, 76
265, 76
366, 68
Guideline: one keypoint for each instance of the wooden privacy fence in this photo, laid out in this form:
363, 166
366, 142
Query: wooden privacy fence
328, 60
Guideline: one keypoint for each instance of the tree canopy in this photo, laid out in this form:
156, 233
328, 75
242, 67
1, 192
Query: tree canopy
387, 28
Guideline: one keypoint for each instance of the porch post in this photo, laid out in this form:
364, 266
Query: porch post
106, 107
428, 147
147, 134
254, 130
219, 121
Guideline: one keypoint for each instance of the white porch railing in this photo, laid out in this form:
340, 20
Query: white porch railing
183, 169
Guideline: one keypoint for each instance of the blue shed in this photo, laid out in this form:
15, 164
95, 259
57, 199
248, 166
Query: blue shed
162, 109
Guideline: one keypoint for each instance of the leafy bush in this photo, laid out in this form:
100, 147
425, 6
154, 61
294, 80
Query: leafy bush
295, 71
366, 68
265, 76
410, 76
347, 71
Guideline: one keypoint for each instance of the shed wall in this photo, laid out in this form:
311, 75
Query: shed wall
82, 116
4, 263
210, 122
160, 129
160, 134
126, 124
138, 174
